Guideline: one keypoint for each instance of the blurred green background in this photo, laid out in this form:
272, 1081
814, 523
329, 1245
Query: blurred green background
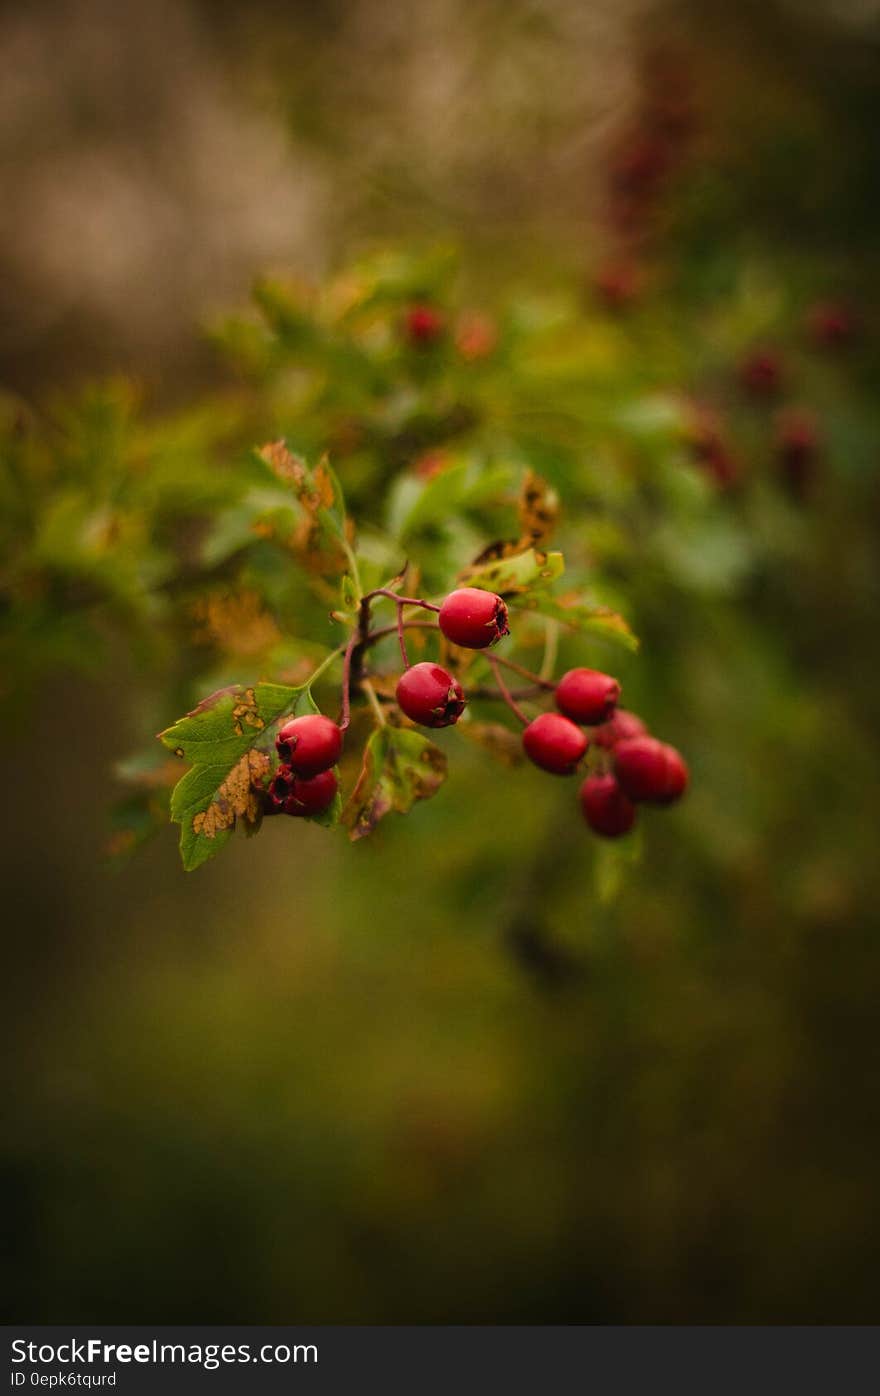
474, 1069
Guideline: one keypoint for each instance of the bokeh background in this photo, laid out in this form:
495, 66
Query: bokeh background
469, 1070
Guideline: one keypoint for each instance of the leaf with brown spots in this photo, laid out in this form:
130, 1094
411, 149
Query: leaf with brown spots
538, 510
520, 572
230, 741
400, 767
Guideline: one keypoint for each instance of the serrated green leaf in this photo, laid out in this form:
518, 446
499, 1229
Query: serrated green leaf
228, 738
400, 767
520, 572
582, 616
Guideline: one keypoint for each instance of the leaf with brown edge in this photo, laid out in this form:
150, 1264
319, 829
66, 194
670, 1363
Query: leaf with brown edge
318, 490
400, 767
229, 739
520, 572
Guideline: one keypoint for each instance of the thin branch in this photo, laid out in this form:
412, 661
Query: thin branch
506, 693
518, 669
401, 600
400, 637
384, 630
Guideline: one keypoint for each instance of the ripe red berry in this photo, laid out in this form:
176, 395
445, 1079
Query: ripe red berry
761, 373
607, 810
587, 695
677, 775
473, 618
429, 695
554, 744
650, 771
309, 797
424, 324
309, 745
618, 728
832, 324
797, 448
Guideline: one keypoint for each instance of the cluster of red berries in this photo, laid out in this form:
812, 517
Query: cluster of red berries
639, 769
305, 782
632, 767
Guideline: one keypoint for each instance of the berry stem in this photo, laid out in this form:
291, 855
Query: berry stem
401, 600
370, 691
505, 691
523, 673
407, 625
400, 636
345, 718
551, 648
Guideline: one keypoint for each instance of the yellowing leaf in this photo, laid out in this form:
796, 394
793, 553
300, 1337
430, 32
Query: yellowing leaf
400, 767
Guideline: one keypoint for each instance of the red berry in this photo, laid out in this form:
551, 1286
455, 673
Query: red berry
797, 448
677, 775
424, 324
616, 284
309, 745
761, 373
621, 724
429, 695
473, 618
606, 808
587, 696
644, 768
831, 324
711, 450
309, 797
554, 744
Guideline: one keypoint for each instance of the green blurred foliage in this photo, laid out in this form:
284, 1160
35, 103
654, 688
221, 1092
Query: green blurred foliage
479, 1067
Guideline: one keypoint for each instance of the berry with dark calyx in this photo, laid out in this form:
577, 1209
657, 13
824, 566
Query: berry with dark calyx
677, 776
424, 324
280, 787
607, 810
429, 695
649, 771
473, 618
587, 696
618, 728
554, 743
309, 745
310, 797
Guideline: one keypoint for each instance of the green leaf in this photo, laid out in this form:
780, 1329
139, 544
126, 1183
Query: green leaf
517, 573
400, 767
582, 616
318, 490
229, 739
